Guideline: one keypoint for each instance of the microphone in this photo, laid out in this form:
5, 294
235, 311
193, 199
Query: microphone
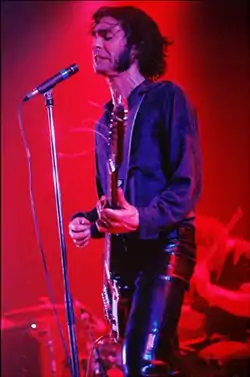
52, 81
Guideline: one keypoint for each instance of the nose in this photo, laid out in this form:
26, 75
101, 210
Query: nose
97, 43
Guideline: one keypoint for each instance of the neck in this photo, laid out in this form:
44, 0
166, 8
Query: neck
122, 84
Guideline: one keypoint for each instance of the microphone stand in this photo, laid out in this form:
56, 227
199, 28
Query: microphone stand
74, 362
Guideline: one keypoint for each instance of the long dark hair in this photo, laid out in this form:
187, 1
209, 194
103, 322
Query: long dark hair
143, 33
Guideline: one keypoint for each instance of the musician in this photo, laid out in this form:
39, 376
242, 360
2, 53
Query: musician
219, 300
153, 232
227, 293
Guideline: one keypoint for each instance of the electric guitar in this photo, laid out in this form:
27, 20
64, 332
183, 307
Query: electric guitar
110, 294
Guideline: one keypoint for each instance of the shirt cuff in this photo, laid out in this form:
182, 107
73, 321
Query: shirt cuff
95, 232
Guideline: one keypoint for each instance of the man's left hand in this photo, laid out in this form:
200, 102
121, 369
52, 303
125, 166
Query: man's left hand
122, 220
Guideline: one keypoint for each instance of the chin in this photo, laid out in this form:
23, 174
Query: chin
100, 70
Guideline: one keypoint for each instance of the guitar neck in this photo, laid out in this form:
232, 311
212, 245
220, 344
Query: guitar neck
117, 130
113, 189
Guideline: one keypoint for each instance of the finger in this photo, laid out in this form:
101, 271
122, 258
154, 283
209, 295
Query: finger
101, 204
98, 208
122, 202
103, 201
101, 226
79, 235
82, 244
80, 220
113, 228
78, 227
81, 240
102, 229
109, 214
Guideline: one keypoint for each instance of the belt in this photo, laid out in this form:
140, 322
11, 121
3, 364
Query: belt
182, 232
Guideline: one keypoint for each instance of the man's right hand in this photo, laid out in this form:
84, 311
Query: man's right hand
79, 231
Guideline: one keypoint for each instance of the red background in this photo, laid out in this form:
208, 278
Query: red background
209, 58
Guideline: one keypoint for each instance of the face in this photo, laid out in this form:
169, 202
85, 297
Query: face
110, 52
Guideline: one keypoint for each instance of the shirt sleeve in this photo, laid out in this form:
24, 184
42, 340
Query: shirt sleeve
183, 153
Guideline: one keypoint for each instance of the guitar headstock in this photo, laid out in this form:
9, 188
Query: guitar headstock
117, 131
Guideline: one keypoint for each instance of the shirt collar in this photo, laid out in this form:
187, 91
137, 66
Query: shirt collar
139, 90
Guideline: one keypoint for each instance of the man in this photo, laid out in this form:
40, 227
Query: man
159, 191
214, 325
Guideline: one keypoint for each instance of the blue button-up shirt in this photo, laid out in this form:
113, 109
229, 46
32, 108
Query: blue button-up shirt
163, 175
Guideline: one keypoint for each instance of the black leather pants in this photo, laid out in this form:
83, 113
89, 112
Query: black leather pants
150, 337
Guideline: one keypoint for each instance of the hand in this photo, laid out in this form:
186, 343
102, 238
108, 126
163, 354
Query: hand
201, 279
122, 220
239, 247
79, 231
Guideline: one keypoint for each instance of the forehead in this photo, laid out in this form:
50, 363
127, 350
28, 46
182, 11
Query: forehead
106, 23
